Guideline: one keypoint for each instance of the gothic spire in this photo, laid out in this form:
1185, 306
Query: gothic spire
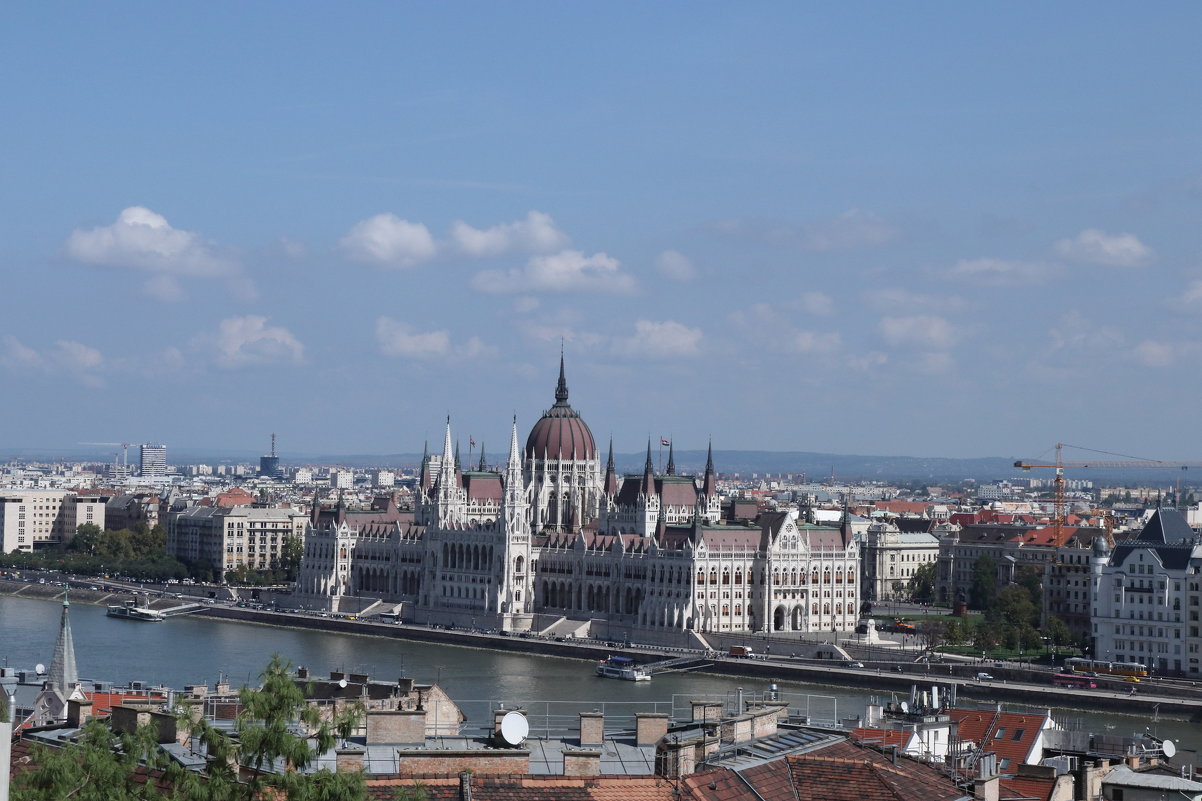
671, 458
561, 389
649, 473
611, 476
63, 674
482, 466
708, 485
515, 460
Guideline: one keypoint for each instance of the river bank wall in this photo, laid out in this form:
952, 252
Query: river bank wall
871, 680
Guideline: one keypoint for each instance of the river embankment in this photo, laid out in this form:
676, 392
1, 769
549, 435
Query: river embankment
1178, 700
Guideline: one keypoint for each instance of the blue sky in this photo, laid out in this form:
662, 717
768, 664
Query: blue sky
939, 229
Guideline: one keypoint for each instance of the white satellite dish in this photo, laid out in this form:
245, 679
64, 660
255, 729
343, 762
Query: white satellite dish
1169, 748
905, 707
40, 669
514, 728
342, 683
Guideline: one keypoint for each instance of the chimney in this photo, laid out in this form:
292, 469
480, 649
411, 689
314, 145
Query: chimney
465, 786
302, 672
650, 727
986, 789
581, 762
592, 728
350, 759
79, 711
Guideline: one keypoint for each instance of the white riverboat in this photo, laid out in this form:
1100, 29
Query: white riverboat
622, 667
131, 611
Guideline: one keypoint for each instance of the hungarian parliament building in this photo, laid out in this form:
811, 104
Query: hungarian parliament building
557, 540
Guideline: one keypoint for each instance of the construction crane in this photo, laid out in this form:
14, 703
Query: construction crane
124, 446
1114, 464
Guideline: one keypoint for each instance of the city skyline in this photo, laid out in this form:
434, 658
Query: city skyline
934, 231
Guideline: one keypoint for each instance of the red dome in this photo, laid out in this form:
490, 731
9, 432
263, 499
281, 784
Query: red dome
560, 433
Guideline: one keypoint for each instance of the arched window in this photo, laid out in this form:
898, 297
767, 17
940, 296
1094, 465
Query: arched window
738, 577
725, 577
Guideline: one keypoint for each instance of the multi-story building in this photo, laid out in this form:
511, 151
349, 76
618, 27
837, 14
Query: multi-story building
551, 537
891, 557
383, 479
1146, 596
31, 519
342, 479
153, 460
229, 536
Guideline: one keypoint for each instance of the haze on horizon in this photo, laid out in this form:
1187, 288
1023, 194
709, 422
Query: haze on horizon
932, 230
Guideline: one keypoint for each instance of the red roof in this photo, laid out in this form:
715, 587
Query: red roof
1010, 735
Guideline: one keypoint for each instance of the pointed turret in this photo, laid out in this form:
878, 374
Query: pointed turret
611, 476
671, 458
63, 674
315, 514
709, 486
649, 473
483, 465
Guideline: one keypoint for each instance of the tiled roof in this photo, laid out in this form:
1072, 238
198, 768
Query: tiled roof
528, 788
846, 771
997, 731
1026, 788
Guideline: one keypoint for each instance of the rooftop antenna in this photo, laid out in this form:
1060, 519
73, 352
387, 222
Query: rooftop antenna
273, 444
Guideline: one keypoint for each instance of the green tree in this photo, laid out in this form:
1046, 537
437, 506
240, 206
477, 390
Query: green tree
271, 740
86, 538
922, 583
1014, 607
291, 551
1057, 631
982, 591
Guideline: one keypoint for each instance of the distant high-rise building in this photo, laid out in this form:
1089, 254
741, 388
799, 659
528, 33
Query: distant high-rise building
383, 478
342, 479
269, 466
154, 460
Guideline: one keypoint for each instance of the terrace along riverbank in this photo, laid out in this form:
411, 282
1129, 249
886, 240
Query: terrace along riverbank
1009, 685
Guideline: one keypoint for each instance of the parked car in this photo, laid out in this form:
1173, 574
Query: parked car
984, 677
853, 664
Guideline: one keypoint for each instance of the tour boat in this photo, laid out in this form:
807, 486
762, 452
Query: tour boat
130, 611
622, 667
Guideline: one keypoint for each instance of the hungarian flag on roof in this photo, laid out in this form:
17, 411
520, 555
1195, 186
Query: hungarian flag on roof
663, 441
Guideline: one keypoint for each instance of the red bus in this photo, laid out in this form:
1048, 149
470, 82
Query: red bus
1074, 681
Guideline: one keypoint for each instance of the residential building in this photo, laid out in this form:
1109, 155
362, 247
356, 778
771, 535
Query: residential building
31, 519
227, 537
891, 557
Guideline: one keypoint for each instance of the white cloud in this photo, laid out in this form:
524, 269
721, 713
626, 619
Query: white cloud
818, 304
247, 341
659, 340
142, 240
1001, 272
525, 304
933, 363
1155, 354
389, 241
676, 265
1092, 246
16, 354
898, 299
922, 330
850, 230
854, 229
566, 271
538, 233
812, 342
398, 339
77, 356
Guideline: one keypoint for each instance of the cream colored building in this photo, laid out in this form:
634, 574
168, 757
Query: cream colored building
38, 518
227, 537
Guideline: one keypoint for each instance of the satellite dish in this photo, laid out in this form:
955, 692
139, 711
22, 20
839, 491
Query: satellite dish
905, 707
342, 683
40, 669
1169, 748
514, 728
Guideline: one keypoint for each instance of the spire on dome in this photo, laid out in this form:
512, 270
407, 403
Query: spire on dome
671, 458
561, 389
63, 674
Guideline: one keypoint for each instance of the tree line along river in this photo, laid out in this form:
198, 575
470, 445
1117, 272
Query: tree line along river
199, 650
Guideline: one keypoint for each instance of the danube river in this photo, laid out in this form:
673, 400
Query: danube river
199, 650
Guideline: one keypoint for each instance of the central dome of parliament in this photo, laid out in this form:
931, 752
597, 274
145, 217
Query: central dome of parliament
561, 433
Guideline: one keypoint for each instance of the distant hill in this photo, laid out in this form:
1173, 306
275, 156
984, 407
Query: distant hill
815, 466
